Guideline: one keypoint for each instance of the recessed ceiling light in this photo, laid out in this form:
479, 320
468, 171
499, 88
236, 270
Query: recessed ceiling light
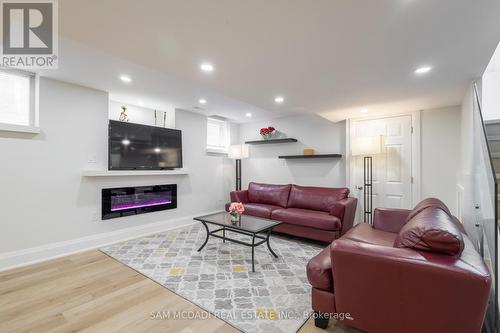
364, 110
125, 78
207, 67
279, 99
248, 115
157, 150
423, 70
125, 142
202, 101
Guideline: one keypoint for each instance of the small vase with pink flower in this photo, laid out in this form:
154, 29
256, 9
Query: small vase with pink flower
235, 210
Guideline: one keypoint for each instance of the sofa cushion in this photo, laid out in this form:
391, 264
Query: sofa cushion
307, 218
259, 210
239, 196
365, 233
427, 203
433, 230
269, 194
326, 236
316, 198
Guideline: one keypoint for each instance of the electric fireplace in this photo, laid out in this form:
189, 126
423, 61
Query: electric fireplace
125, 201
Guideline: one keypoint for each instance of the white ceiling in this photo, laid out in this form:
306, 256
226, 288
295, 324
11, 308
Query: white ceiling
331, 57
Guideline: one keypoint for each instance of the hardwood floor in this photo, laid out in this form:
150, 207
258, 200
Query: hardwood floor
92, 292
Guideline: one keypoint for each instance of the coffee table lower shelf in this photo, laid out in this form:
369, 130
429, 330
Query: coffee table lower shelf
253, 244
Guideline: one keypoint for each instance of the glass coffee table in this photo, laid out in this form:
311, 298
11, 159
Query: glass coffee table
248, 225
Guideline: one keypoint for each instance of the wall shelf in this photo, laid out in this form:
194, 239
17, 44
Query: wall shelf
264, 142
311, 156
128, 173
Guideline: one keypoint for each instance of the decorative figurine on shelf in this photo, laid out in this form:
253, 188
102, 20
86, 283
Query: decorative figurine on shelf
235, 210
267, 132
123, 114
158, 120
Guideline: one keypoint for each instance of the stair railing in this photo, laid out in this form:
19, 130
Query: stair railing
486, 208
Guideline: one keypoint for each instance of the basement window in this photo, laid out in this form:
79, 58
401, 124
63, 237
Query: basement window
217, 135
17, 101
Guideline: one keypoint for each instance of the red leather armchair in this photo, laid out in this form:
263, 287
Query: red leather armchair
413, 271
319, 213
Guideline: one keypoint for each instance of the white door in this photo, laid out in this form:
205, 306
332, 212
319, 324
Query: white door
392, 169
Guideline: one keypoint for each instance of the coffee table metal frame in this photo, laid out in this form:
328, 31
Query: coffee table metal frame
255, 235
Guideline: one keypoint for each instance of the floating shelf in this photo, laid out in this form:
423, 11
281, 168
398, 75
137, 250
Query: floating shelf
264, 142
128, 173
311, 156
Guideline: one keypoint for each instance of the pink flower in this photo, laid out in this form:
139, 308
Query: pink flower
236, 207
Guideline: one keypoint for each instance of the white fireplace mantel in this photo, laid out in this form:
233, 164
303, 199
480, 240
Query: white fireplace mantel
128, 173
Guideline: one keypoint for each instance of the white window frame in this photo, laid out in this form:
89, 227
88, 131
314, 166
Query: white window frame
33, 126
226, 129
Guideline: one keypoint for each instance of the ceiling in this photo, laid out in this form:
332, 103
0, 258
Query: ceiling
331, 57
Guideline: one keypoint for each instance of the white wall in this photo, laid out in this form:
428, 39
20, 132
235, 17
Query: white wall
141, 115
464, 178
491, 88
465, 185
440, 149
41, 194
475, 183
491, 95
44, 198
46, 204
312, 131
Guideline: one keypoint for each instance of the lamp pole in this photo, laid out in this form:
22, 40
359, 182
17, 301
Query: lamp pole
238, 175
368, 189
367, 147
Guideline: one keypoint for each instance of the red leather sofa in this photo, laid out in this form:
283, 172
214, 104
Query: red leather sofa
318, 213
413, 271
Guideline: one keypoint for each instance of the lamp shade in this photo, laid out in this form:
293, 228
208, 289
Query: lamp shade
238, 152
366, 145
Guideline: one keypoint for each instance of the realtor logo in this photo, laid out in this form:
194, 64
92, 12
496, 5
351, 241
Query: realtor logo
29, 34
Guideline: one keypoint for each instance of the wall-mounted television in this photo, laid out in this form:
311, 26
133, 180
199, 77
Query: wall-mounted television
141, 147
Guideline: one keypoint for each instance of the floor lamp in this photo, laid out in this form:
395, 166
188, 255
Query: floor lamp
366, 147
238, 152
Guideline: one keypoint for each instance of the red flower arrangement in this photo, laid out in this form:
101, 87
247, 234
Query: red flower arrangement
267, 132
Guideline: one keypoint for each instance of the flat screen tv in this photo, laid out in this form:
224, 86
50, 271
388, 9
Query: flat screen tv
142, 147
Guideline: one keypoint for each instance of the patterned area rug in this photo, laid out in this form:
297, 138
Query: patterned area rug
219, 279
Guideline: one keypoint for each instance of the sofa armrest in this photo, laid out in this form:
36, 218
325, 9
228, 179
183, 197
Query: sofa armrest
319, 270
239, 196
345, 210
390, 219
387, 289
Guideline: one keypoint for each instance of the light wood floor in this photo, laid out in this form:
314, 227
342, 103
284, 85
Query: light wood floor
92, 292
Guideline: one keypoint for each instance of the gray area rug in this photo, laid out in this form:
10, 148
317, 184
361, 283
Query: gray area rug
219, 279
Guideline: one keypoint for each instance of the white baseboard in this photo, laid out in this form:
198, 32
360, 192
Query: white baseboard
50, 251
